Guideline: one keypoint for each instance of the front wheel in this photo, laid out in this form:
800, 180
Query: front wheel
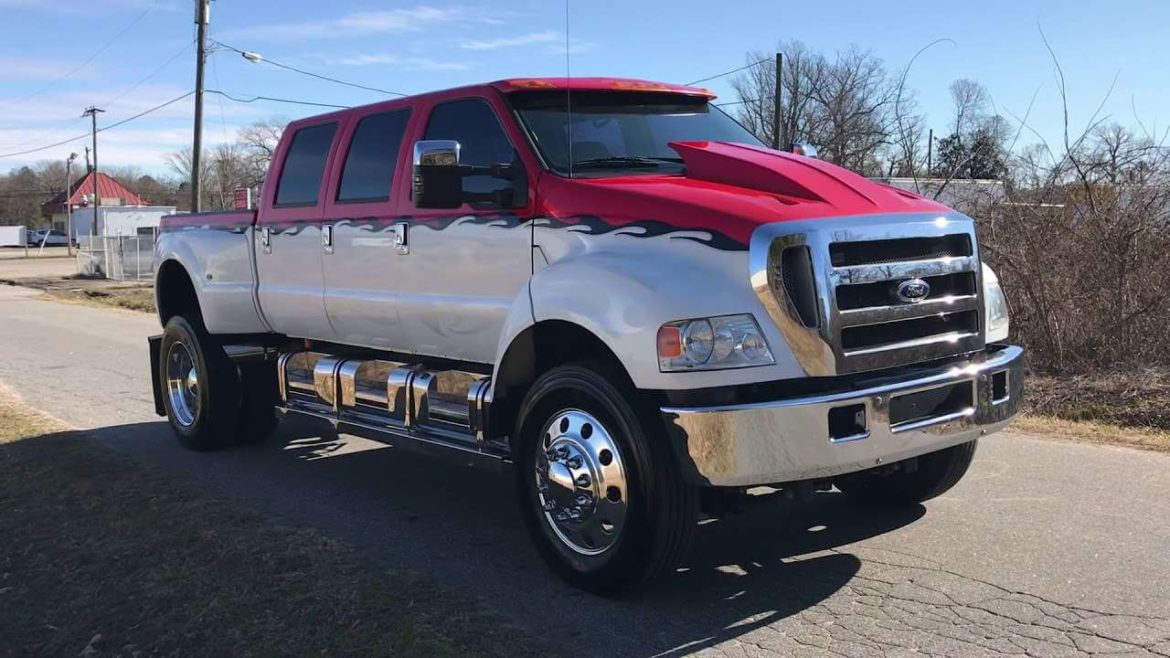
917, 481
600, 489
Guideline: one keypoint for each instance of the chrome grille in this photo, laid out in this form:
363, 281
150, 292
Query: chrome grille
857, 266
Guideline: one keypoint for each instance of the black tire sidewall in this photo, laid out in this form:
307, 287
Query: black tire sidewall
219, 390
625, 562
937, 473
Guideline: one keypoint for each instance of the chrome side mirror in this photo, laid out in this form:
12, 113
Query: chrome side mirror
805, 149
437, 180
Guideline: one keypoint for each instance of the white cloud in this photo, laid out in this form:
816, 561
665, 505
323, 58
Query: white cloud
65, 107
406, 63
512, 42
574, 46
388, 21
32, 69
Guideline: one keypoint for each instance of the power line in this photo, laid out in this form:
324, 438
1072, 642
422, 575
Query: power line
143, 113
275, 100
92, 57
150, 75
126, 91
100, 130
740, 102
163, 105
311, 74
742, 68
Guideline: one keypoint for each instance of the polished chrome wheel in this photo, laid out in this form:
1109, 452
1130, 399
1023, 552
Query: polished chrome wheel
182, 384
581, 482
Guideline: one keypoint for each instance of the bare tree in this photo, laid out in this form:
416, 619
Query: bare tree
844, 105
258, 142
971, 101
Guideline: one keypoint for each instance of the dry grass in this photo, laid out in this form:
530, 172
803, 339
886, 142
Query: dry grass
132, 297
1092, 432
104, 557
1138, 399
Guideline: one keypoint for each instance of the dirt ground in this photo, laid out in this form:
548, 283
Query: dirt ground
13, 264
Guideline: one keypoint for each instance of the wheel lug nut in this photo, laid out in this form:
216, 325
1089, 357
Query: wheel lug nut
542, 486
583, 480
562, 452
574, 461
562, 515
549, 506
574, 514
583, 500
551, 455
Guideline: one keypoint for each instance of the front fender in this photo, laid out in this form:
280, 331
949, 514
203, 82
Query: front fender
623, 290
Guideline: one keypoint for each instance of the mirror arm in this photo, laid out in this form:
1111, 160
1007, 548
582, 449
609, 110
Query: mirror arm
503, 171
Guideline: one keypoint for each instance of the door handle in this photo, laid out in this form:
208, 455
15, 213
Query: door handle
327, 238
266, 239
401, 239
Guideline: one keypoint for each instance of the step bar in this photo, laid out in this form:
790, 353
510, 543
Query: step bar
391, 398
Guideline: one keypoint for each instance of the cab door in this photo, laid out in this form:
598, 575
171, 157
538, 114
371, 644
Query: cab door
362, 271
460, 271
290, 234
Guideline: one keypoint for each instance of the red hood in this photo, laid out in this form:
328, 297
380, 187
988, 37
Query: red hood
730, 189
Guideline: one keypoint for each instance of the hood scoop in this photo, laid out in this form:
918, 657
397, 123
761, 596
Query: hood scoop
784, 174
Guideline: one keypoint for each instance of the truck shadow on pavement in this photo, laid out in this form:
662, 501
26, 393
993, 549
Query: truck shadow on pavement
461, 527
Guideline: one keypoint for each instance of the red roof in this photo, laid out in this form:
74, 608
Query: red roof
108, 188
597, 84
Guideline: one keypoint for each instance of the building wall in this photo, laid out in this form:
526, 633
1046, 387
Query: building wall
119, 220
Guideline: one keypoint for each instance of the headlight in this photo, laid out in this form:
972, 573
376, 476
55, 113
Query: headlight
727, 341
995, 308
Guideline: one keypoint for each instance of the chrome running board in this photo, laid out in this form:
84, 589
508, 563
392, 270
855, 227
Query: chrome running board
395, 400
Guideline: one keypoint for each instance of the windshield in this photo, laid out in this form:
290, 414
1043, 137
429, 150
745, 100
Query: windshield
619, 133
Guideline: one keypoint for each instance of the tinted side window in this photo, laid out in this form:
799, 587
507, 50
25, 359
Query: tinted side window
300, 177
474, 125
369, 165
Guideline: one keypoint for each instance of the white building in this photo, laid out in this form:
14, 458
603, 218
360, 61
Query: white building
120, 221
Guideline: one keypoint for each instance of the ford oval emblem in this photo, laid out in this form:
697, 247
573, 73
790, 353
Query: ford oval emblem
913, 291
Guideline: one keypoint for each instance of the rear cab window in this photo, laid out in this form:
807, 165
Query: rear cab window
304, 166
367, 175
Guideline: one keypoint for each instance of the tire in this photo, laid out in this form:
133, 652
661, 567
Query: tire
935, 474
258, 408
228, 405
639, 517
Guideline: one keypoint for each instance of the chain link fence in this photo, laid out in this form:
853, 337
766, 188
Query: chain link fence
121, 258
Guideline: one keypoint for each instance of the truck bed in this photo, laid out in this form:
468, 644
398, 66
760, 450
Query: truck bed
236, 221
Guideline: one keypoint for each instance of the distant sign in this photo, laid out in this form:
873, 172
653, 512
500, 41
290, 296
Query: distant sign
243, 198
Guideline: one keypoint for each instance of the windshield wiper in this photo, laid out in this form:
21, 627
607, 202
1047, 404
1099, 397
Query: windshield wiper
626, 162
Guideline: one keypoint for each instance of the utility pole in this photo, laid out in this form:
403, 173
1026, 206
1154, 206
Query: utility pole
202, 17
92, 113
778, 103
930, 153
68, 205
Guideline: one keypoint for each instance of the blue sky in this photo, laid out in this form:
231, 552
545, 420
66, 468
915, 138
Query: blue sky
45, 81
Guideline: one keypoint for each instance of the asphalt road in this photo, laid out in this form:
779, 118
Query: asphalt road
1046, 548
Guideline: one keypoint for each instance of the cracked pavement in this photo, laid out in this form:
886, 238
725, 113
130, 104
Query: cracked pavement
1045, 549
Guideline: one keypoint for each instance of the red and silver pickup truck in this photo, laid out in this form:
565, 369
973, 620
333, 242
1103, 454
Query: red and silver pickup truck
608, 286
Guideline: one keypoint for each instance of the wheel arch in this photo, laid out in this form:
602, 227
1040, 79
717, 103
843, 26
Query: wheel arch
174, 291
535, 350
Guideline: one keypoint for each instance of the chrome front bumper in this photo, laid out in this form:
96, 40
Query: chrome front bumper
792, 439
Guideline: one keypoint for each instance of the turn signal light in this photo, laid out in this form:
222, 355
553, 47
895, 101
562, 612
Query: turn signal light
669, 342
